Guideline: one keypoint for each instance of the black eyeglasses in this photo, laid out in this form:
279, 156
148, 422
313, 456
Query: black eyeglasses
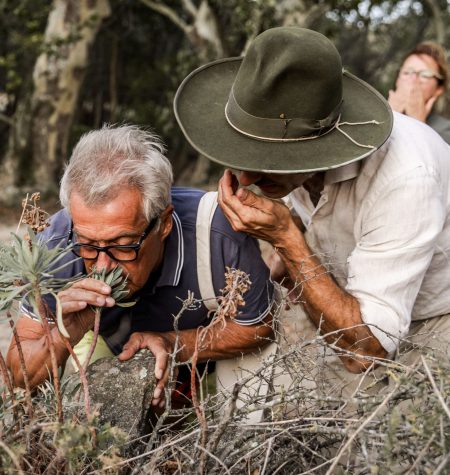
118, 252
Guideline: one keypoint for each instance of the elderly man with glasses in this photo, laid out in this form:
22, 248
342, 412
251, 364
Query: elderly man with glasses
120, 210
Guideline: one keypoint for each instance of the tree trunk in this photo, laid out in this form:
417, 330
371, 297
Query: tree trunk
58, 75
12, 168
438, 20
40, 136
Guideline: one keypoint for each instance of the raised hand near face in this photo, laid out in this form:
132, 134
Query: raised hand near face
258, 216
76, 302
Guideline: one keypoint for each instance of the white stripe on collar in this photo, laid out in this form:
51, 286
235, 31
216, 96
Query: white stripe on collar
180, 261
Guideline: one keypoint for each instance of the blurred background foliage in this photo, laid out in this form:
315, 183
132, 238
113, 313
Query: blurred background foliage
69, 66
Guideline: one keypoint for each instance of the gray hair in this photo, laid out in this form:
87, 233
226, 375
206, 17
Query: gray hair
106, 160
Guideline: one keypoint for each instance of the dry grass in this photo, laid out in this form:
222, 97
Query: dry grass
396, 424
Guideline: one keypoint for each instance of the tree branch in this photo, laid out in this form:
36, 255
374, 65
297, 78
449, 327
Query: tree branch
168, 12
190, 7
438, 21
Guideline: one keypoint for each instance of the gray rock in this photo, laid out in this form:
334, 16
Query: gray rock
121, 392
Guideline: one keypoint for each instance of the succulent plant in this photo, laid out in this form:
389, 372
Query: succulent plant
115, 279
28, 266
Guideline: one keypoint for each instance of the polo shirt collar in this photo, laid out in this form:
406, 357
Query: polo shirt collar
173, 258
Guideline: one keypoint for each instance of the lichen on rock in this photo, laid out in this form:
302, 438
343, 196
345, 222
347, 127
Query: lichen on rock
120, 392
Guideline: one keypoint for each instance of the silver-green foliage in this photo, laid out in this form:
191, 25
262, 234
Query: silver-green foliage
28, 268
115, 279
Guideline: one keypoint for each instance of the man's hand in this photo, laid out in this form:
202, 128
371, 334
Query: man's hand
76, 301
258, 216
78, 319
161, 347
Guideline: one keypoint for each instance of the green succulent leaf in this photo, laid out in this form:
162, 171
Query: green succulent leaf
115, 279
27, 265
126, 304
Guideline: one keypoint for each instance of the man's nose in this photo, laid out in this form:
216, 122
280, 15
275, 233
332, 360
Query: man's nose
105, 262
248, 178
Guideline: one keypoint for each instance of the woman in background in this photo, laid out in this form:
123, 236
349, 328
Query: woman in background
421, 80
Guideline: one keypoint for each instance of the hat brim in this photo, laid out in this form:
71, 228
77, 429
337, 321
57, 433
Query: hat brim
199, 107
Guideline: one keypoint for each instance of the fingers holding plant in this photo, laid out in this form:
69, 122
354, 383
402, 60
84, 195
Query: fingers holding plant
85, 292
81, 303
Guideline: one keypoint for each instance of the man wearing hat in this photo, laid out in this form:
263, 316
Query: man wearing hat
370, 252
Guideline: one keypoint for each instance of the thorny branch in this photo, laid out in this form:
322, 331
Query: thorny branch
237, 283
307, 429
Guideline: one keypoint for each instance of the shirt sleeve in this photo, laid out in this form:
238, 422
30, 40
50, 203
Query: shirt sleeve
244, 254
399, 229
27, 310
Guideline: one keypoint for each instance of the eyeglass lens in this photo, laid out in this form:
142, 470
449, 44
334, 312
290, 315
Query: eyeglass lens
89, 252
422, 74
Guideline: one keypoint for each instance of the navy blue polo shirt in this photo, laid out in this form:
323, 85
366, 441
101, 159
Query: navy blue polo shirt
161, 299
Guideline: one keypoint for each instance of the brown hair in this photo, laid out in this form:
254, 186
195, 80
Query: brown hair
437, 52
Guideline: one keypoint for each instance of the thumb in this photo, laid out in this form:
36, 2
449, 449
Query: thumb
129, 349
248, 198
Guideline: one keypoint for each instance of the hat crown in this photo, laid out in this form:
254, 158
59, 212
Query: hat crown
290, 71
286, 107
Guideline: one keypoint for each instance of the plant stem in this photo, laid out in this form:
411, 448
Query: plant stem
83, 378
96, 331
85, 384
9, 385
51, 345
195, 401
23, 367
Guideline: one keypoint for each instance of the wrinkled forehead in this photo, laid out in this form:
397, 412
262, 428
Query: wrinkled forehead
124, 210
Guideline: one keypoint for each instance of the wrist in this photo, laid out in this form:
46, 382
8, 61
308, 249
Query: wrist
288, 236
301, 262
78, 324
291, 238
76, 334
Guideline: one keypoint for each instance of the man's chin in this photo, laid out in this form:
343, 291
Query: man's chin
273, 191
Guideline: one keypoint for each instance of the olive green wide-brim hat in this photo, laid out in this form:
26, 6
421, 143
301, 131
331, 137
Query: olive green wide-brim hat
287, 106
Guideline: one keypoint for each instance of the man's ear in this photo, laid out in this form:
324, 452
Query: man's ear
166, 222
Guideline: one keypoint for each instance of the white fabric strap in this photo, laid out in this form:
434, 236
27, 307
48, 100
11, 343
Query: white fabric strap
205, 214
229, 371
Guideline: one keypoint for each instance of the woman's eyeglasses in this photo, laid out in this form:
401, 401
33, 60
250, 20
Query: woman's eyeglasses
423, 74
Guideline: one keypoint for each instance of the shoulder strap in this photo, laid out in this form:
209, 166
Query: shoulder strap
205, 214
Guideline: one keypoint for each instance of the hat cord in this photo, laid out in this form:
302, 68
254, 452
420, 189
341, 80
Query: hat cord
258, 127
338, 124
